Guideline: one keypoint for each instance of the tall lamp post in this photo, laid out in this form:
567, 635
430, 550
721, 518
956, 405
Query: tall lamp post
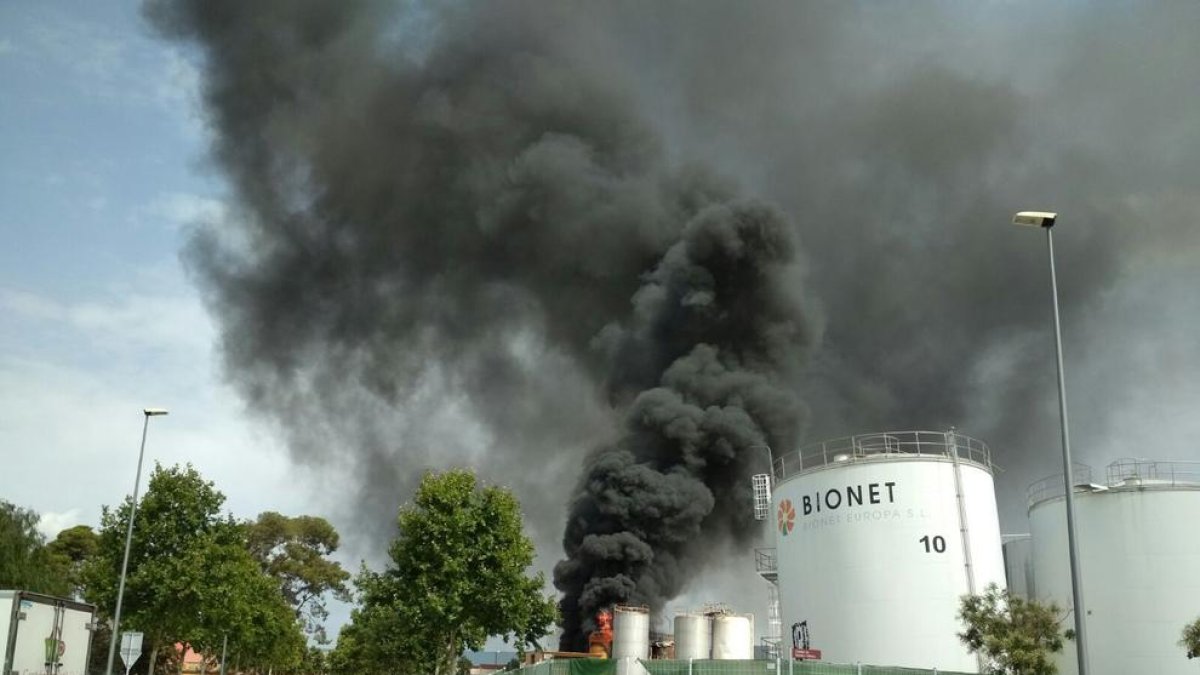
1046, 220
116, 631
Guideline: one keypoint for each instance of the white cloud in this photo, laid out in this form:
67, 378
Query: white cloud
178, 89
51, 523
183, 209
74, 377
132, 318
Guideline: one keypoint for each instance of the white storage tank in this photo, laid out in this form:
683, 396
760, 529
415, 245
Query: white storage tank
692, 636
631, 632
878, 537
1139, 560
732, 637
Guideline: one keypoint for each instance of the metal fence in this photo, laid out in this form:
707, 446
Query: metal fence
552, 667
777, 668
884, 445
706, 667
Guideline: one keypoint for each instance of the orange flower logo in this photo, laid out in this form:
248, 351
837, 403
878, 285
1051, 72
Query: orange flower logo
786, 517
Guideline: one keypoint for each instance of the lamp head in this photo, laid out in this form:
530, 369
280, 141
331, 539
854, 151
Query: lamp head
152, 412
1043, 219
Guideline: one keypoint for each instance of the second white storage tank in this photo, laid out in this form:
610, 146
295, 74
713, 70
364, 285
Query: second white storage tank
732, 637
692, 636
631, 632
1138, 557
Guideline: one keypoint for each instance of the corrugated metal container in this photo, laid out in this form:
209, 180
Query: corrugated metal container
693, 633
1018, 565
878, 536
1138, 559
732, 637
631, 632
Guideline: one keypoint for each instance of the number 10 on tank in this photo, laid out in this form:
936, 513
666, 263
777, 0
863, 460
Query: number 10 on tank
934, 544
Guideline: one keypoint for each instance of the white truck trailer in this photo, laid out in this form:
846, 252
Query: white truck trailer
43, 635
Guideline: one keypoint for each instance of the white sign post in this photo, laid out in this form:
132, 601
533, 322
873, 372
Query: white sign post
131, 649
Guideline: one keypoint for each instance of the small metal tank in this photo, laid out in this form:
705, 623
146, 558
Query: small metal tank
732, 637
693, 635
631, 632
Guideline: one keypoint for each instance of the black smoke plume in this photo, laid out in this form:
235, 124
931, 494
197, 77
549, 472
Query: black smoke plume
529, 236
453, 207
717, 325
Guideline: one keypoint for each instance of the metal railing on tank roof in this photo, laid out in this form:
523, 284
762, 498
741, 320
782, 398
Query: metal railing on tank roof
883, 445
1123, 473
1052, 486
1146, 472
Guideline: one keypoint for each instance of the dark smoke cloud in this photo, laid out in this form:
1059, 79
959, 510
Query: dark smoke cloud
718, 325
510, 233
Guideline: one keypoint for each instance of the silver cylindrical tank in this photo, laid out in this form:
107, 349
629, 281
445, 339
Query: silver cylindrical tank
1138, 558
693, 633
732, 637
880, 535
631, 632
1018, 565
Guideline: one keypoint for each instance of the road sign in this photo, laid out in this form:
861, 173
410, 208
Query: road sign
131, 649
806, 654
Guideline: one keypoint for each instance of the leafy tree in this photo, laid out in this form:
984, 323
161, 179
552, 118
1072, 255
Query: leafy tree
71, 550
294, 552
1190, 640
1015, 636
457, 576
191, 578
25, 562
315, 661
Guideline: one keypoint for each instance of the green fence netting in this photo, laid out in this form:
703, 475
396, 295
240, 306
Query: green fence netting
571, 667
706, 667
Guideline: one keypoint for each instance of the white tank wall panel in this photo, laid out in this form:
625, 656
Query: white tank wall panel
874, 560
693, 633
1140, 567
732, 637
631, 634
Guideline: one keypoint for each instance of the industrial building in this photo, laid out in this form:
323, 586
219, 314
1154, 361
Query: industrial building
879, 536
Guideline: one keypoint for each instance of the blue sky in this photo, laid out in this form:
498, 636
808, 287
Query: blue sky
101, 178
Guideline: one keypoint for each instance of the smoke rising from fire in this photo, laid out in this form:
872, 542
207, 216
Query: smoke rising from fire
532, 237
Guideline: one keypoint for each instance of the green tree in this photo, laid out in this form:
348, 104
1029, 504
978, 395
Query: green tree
1014, 636
25, 562
315, 661
457, 576
294, 551
71, 550
1190, 639
191, 577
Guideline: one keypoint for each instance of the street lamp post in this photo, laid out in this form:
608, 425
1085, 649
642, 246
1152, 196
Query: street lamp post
116, 631
1046, 220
